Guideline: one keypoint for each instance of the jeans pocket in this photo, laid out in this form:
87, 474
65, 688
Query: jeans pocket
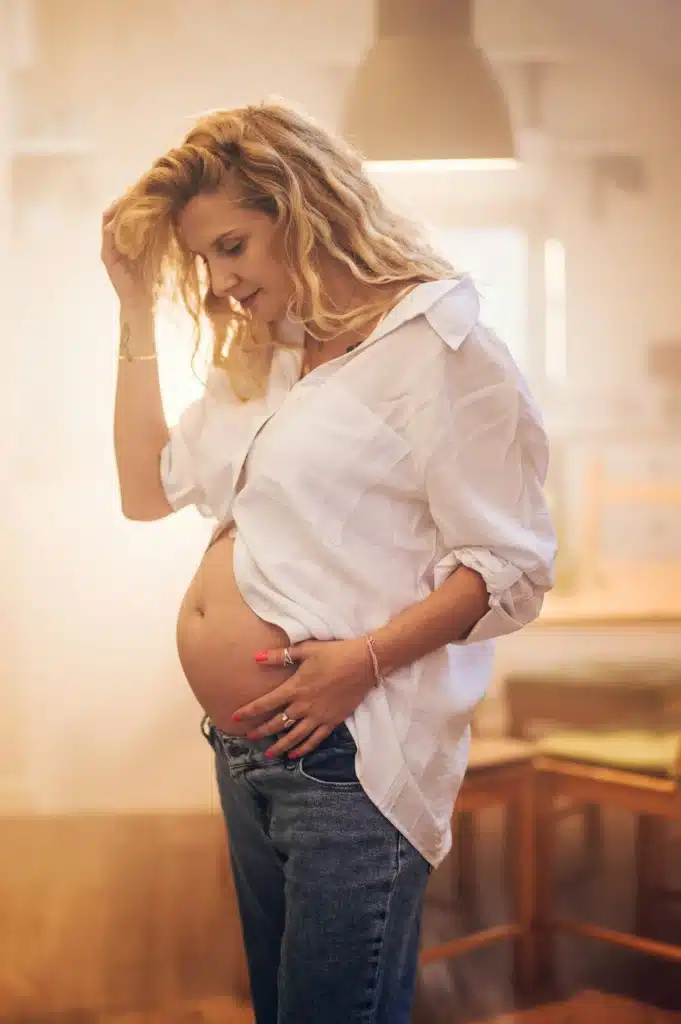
331, 766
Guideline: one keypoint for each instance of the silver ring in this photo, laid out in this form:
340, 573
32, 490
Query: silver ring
288, 722
288, 660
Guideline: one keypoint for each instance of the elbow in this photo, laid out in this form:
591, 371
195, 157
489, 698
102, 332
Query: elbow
525, 612
512, 605
523, 602
136, 516
146, 511
143, 497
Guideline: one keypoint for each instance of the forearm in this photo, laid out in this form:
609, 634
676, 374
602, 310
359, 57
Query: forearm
140, 429
445, 616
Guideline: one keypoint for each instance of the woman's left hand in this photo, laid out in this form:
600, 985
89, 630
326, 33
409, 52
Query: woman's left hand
334, 677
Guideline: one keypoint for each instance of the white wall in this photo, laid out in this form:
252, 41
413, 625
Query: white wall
94, 711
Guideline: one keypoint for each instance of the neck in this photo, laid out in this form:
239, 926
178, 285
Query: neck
346, 293
318, 352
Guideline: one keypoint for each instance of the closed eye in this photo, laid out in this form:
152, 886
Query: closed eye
229, 250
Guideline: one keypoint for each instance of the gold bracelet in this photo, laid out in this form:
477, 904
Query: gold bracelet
124, 353
378, 675
129, 358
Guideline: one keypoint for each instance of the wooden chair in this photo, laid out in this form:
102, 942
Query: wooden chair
638, 772
500, 772
593, 696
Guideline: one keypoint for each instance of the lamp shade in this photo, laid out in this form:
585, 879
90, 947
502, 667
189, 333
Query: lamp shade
424, 91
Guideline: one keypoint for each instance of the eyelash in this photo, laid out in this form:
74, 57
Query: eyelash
232, 251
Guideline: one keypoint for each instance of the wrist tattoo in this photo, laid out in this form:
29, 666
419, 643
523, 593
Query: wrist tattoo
124, 353
124, 345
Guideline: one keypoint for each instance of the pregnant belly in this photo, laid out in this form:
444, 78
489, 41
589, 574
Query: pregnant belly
217, 638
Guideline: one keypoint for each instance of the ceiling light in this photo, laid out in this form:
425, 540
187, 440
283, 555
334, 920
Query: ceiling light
424, 91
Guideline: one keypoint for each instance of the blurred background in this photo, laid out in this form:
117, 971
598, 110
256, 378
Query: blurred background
548, 165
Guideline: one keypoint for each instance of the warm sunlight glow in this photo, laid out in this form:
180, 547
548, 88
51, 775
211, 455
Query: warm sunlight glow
555, 287
497, 260
180, 383
437, 166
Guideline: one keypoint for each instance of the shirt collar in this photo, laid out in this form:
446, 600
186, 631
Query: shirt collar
452, 308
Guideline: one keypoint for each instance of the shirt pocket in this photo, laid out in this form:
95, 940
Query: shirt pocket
334, 451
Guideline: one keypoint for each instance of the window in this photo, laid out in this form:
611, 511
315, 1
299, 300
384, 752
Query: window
555, 325
492, 225
497, 260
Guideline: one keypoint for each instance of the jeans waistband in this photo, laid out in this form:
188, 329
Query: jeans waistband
240, 746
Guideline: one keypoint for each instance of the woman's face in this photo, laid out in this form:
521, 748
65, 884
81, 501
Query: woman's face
242, 250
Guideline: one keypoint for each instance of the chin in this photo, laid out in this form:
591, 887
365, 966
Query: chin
267, 313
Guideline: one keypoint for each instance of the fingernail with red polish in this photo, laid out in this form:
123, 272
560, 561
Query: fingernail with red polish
261, 656
293, 754
236, 718
268, 753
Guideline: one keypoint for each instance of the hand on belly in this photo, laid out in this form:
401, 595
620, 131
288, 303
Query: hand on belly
217, 638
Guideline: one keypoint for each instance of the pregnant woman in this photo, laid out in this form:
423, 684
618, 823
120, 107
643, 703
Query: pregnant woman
373, 463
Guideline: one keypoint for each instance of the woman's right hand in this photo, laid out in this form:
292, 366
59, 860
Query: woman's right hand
127, 282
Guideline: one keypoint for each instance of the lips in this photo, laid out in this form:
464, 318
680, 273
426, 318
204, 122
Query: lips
247, 302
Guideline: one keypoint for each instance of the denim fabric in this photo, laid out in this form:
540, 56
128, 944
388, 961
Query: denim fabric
330, 893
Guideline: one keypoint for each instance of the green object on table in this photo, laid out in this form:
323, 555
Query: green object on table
651, 753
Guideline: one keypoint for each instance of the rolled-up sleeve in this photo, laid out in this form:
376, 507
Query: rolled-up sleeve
204, 455
484, 473
180, 460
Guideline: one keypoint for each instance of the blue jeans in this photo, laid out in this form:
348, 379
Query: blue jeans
330, 893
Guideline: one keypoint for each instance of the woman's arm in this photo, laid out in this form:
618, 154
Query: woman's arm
444, 617
336, 675
485, 457
140, 429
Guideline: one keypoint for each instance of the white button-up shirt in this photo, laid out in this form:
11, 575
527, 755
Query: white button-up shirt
361, 487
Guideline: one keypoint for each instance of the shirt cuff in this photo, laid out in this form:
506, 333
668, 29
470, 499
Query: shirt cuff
178, 485
514, 599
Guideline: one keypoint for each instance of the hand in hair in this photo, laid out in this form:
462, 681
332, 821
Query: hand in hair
127, 283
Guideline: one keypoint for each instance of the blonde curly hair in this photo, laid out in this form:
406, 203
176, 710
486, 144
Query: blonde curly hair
314, 186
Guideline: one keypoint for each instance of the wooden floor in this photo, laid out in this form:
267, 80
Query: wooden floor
126, 920
585, 1008
591, 1008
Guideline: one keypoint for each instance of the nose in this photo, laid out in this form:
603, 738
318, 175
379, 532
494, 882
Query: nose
222, 282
